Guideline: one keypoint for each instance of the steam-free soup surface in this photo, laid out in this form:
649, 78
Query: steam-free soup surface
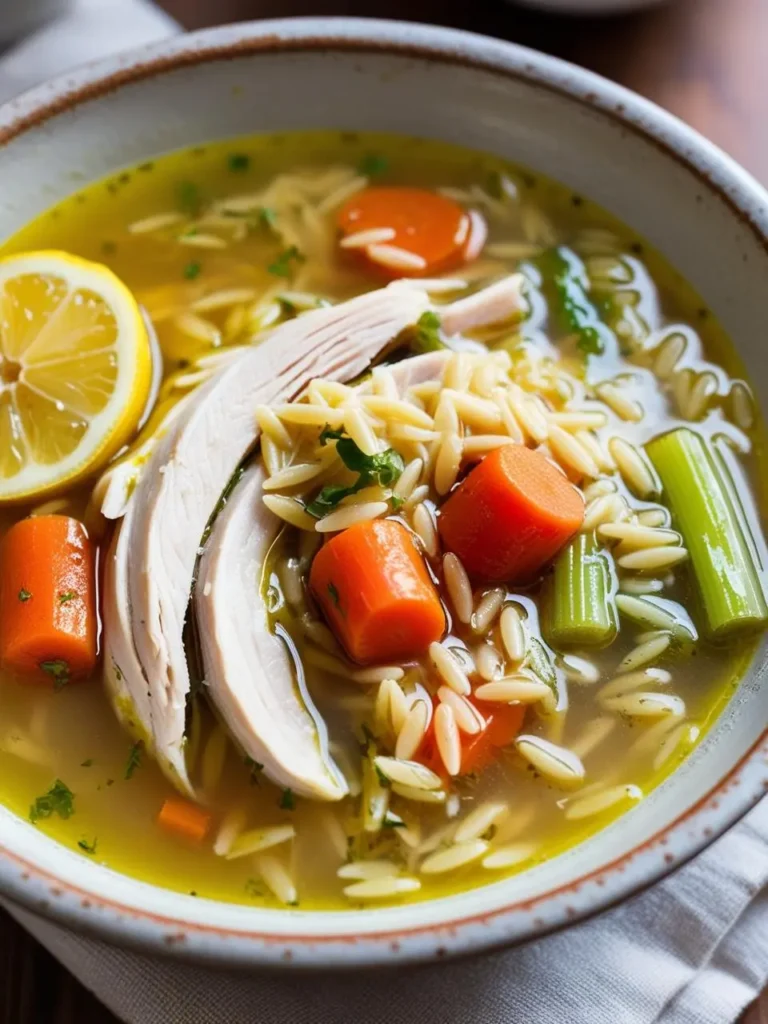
252, 226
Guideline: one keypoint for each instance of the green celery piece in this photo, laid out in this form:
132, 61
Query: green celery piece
580, 610
698, 495
565, 277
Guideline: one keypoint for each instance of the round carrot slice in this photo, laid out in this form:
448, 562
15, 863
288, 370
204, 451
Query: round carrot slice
511, 515
376, 594
432, 231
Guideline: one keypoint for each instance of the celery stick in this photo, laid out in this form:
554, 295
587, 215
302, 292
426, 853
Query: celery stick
580, 610
698, 496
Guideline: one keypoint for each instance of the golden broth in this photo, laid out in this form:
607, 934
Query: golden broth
73, 734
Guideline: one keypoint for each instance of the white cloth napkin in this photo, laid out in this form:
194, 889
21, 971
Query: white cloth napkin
88, 30
692, 950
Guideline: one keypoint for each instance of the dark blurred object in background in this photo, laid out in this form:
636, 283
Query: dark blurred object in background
704, 60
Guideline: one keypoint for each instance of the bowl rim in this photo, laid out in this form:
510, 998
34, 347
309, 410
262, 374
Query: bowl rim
736, 792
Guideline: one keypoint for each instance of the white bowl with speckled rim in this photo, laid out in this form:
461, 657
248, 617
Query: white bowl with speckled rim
688, 199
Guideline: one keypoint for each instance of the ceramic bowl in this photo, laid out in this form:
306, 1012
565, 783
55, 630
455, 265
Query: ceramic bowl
688, 199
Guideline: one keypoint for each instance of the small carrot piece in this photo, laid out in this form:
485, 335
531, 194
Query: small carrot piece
502, 723
48, 600
510, 515
375, 592
184, 819
425, 224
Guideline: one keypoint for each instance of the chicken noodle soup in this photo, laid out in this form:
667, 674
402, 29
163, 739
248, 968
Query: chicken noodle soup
434, 549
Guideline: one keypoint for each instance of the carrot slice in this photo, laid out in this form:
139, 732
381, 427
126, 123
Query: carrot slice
510, 515
376, 594
430, 227
48, 600
502, 723
184, 819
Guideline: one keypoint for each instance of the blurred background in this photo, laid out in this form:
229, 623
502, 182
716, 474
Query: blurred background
704, 60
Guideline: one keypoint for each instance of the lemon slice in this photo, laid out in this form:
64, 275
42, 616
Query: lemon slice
75, 371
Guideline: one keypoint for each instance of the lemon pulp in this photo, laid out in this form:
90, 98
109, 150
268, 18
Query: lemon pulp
75, 369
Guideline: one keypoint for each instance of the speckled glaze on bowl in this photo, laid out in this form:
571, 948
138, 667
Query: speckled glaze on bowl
706, 214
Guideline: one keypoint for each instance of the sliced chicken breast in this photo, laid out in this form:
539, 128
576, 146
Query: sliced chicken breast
188, 470
251, 677
252, 681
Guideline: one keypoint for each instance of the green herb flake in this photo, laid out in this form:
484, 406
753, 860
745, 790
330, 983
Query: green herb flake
427, 337
58, 670
373, 164
267, 217
287, 800
88, 847
188, 198
134, 759
191, 271
238, 162
24, 595
396, 502
383, 468
67, 596
255, 770
58, 800
87, 764
283, 264
333, 591
392, 820
384, 781
255, 888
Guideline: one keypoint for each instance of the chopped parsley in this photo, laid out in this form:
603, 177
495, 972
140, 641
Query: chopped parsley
383, 468
192, 270
88, 847
565, 277
134, 759
255, 888
427, 338
287, 800
392, 820
282, 265
58, 800
238, 162
58, 670
396, 502
373, 164
384, 781
267, 217
87, 764
67, 596
188, 198
24, 595
333, 591
255, 769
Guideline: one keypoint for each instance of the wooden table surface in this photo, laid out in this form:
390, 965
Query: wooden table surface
704, 60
